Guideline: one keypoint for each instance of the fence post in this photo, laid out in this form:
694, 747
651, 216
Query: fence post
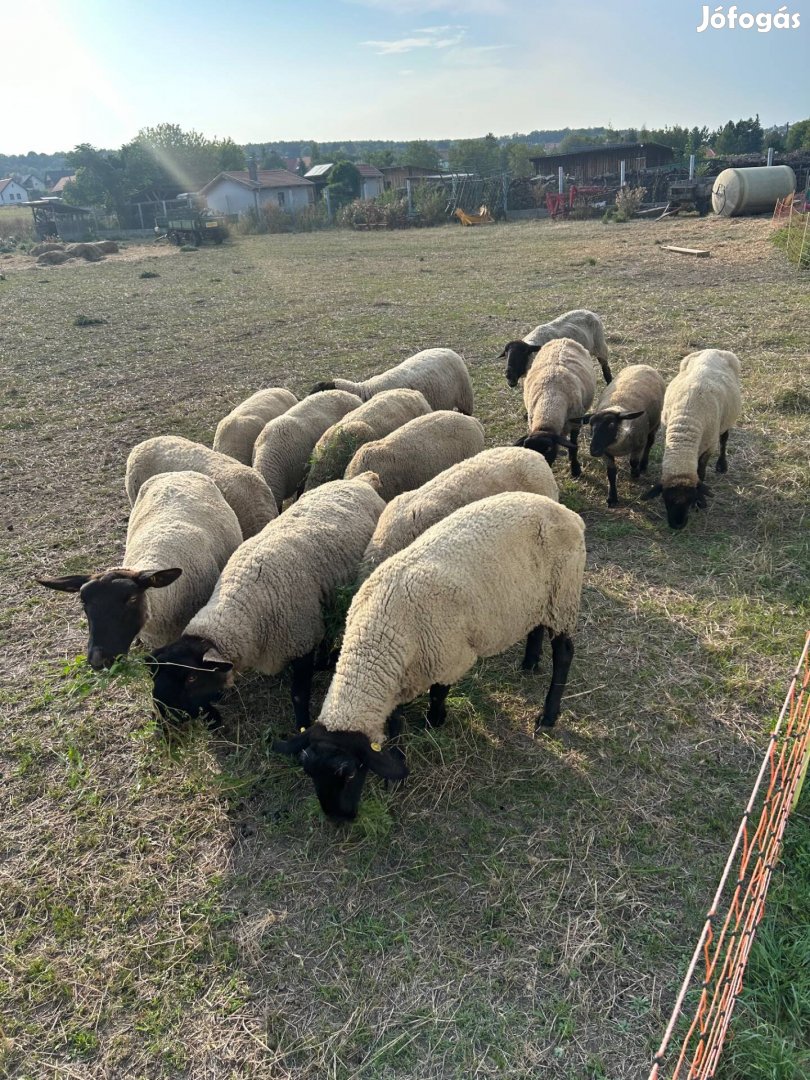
622, 174
770, 155
560, 181
691, 166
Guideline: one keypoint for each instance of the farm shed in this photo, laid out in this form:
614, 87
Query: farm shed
54, 218
395, 176
238, 192
371, 178
594, 161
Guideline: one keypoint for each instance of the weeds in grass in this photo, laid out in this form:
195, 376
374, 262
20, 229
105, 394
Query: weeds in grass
148, 274
88, 320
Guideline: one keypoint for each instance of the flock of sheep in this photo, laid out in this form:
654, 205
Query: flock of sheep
456, 552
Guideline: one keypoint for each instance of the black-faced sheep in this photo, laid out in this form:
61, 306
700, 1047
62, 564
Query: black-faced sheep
580, 325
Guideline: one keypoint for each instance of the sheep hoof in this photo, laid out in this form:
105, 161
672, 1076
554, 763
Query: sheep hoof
721, 466
530, 665
576, 471
612, 502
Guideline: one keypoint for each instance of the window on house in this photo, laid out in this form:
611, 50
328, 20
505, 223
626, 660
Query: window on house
281, 198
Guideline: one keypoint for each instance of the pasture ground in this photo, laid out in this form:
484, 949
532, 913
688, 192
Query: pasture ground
520, 908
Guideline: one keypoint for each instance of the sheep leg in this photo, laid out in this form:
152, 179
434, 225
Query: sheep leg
534, 645
437, 713
645, 457
576, 468
562, 653
605, 366
701, 468
302, 671
722, 463
613, 495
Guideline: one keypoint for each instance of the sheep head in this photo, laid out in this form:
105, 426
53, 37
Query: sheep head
188, 677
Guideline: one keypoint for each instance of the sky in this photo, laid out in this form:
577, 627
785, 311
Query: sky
98, 71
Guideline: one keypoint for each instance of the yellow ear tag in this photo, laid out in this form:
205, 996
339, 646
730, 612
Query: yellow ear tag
376, 746
302, 730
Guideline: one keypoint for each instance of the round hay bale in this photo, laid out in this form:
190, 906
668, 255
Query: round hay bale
47, 245
53, 258
84, 251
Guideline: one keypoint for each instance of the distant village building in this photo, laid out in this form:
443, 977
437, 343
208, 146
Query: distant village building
11, 192
241, 191
33, 184
372, 182
395, 176
605, 160
58, 188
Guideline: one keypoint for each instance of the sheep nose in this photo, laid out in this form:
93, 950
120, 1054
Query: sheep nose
96, 659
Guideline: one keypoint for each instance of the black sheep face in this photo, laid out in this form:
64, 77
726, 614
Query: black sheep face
115, 605
188, 677
518, 359
545, 443
679, 500
605, 428
338, 762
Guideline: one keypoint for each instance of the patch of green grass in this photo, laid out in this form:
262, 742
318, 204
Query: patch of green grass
88, 320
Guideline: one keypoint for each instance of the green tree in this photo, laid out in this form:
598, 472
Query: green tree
798, 136
101, 179
345, 183
742, 137
578, 140
516, 158
482, 156
171, 155
231, 156
272, 159
421, 154
381, 158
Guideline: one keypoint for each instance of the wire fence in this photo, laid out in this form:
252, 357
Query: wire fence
694, 1036
791, 216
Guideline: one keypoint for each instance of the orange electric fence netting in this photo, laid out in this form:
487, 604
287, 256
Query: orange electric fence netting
728, 932
791, 216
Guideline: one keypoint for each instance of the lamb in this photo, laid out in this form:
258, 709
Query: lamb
580, 325
244, 490
504, 468
284, 445
267, 609
375, 419
625, 421
180, 525
238, 431
473, 585
440, 374
416, 452
559, 388
700, 405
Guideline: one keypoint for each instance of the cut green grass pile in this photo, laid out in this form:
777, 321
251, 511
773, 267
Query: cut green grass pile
519, 908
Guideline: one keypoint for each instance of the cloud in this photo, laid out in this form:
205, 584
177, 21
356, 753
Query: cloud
432, 37
411, 7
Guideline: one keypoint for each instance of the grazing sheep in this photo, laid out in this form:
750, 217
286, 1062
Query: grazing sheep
244, 490
267, 610
559, 388
473, 585
284, 445
579, 325
504, 468
700, 405
238, 431
440, 374
625, 421
180, 525
416, 452
374, 419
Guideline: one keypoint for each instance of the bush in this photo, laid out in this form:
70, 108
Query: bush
272, 219
628, 201
430, 204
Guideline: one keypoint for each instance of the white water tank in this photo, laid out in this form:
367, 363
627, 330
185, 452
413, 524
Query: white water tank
751, 191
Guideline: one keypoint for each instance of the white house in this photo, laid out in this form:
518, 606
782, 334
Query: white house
12, 193
33, 183
238, 193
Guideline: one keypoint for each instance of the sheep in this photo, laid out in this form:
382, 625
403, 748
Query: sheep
440, 374
267, 609
244, 490
375, 419
180, 525
238, 431
625, 421
700, 405
473, 585
558, 389
504, 468
581, 325
284, 445
416, 452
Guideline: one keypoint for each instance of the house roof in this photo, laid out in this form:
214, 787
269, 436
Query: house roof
8, 180
368, 172
317, 171
59, 186
266, 178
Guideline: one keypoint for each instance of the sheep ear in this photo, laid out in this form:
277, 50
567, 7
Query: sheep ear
387, 764
586, 419
560, 441
533, 348
521, 442
292, 747
158, 579
68, 583
501, 355
216, 660
653, 493
631, 415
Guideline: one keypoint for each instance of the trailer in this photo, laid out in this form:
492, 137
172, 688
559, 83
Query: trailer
189, 223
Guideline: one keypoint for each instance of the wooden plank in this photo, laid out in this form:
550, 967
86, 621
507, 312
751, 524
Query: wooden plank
699, 253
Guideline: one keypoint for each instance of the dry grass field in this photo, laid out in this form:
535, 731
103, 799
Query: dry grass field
519, 908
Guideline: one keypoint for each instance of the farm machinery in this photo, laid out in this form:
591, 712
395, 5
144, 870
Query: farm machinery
189, 223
